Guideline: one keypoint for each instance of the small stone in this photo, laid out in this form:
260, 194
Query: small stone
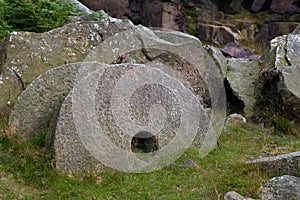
232, 195
235, 119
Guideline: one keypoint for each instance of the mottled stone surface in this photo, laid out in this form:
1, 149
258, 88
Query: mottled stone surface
286, 163
97, 117
281, 63
115, 8
236, 51
25, 55
232, 195
175, 57
241, 75
36, 109
218, 57
273, 29
280, 6
279, 188
235, 119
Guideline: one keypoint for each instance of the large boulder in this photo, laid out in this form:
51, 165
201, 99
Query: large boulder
164, 54
284, 187
24, 55
278, 85
241, 75
106, 111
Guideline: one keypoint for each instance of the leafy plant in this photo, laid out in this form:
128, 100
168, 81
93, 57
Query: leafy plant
33, 15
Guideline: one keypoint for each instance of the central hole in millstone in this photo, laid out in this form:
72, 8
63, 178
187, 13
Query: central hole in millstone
144, 142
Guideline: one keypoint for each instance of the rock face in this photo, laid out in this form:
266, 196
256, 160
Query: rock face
219, 34
280, 6
281, 69
24, 56
284, 187
115, 8
241, 75
156, 14
287, 163
273, 29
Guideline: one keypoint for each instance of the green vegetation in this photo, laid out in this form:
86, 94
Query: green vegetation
27, 173
192, 20
33, 15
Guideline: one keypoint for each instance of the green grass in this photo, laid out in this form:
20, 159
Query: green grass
27, 173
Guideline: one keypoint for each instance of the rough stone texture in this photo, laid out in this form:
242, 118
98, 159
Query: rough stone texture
279, 188
115, 8
273, 29
236, 51
218, 57
160, 49
286, 163
235, 119
241, 75
219, 34
36, 109
257, 5
73, 144
24, 56
166, 50
232, 195
282, 61
280, 6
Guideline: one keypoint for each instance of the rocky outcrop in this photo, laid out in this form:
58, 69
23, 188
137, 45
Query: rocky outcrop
270, 30
52, 105
115, 8
24, 55
280, 6
284, 187
240, 75
279, 80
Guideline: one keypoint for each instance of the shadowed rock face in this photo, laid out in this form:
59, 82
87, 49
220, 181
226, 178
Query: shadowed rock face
281, 66
115, 8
